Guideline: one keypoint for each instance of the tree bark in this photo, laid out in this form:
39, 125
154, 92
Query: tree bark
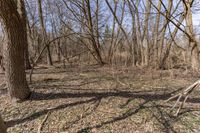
156, 34
145, 41
192, 43
139, 35
134, 38
40, 11
169, 44
22, 13
162, 34
91, 31
14, 51
2, 126
110, 49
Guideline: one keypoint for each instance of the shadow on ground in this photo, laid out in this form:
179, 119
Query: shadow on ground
162, 116
81, 91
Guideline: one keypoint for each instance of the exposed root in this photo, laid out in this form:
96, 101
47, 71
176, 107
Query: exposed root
185, 93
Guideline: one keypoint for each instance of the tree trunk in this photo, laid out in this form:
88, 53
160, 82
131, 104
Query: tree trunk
58, 51
119, 22
2, 126
139, 35
110, 49
91, 31
26, 58
14, 51
134, 38
97, 24
162, 34
145, 41
192, 44
49, 59
169, 44
22, 13
155, 39
1, 63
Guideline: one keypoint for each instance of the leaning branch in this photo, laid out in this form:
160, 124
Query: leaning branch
168, 18
40, 54
185, 93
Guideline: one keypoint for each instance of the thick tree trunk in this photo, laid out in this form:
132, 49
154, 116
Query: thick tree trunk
2, 126
14, 50
22, 13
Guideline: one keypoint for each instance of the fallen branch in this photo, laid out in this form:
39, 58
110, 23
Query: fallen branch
42, 123
185, 93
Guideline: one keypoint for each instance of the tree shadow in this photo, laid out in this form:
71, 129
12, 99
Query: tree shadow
95, 97
43, 112
84, 115
123, 116
165, 119
146, 95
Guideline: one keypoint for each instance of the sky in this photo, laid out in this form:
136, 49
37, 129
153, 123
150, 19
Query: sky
196, 19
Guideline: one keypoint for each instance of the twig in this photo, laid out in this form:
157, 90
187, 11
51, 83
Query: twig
118, 81
42, 123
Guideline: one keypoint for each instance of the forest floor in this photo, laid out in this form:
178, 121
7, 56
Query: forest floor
102, 100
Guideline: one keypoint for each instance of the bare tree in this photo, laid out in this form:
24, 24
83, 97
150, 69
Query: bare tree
156, 34
193, 47
134, 36
91, 31
40, 11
